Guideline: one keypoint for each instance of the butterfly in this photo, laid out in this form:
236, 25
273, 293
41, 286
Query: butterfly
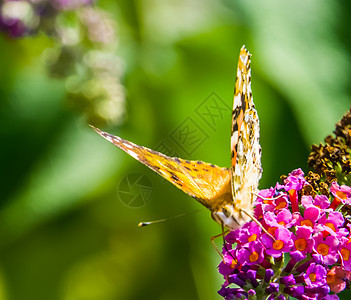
229, 193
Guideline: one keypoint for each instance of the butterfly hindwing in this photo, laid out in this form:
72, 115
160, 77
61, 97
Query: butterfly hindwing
246, 167
200, 180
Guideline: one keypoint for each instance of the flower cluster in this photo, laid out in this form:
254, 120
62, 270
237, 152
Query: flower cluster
19, 18
85, 43
298, 246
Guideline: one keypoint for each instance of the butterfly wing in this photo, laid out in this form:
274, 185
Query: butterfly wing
200, 180
246, 167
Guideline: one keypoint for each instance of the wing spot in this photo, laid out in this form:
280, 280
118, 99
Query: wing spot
133, 154
243, 101
174, 177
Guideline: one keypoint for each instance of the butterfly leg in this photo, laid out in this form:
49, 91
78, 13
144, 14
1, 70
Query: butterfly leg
222, 234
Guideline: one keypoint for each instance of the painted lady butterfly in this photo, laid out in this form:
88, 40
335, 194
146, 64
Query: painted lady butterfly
229, 193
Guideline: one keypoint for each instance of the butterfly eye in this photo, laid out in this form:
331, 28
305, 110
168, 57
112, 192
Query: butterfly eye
226, 212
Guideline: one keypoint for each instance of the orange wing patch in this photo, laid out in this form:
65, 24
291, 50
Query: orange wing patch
200, 180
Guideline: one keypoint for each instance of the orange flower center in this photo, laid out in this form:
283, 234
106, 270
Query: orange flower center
307, 223
341, 195
233, 264
323, 249
252, 237
300, 244
331, 278
278, 244
268, 201
281, 205
331, 226
281, 223
345, 254
253, 256
272, 230
312, 276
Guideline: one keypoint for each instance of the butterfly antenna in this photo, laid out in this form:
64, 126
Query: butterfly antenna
143, 224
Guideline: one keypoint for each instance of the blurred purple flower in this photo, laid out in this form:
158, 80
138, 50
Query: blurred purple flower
70, 4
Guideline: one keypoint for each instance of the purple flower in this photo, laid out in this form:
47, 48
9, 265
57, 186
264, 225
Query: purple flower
327, 248
271, 200
343, 192
332, 223
295, 291
283, 218
288, 280
232, 293
345, 251
273, 288
331, 297
248, 233
268, 275
303, 241
70, 4
251, 276
251, 293
316, 275
295, 181
320, 201
283, 242
251, 254
227, 265
13, 15
310, 217
231, 238
319, 291
235, 278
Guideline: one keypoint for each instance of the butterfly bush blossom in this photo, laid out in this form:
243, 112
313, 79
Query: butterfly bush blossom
309, 257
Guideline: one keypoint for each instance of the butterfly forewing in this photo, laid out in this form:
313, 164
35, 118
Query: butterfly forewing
200, 180
228, 193
246, 167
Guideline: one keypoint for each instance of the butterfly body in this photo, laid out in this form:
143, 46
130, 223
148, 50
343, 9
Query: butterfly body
229, 193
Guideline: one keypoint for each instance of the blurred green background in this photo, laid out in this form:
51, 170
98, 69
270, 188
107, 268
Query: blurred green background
65, 234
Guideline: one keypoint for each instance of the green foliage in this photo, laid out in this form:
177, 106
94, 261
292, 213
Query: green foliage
64, 232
